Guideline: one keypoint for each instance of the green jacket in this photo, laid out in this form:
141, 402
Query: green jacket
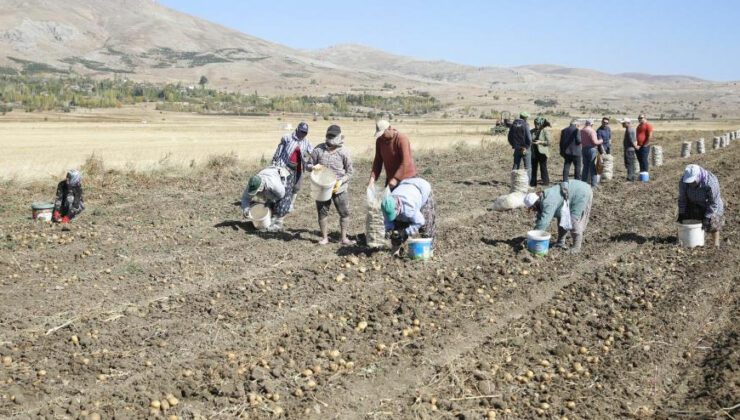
579, 193
544, 137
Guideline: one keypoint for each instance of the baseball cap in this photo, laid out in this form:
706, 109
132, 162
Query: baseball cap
691, 174
380, 127
302, 127
255, 183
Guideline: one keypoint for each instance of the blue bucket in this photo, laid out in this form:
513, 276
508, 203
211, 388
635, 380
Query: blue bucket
420, 249
644, 176
538, 242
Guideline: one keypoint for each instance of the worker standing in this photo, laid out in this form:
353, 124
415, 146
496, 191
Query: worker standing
392, 153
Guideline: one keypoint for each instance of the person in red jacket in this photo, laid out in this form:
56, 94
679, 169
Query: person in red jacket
392, 152
644, 135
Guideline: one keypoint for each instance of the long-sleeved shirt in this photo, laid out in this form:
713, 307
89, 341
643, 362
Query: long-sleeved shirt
520, 137
570, 141
395, 156
287, 146
604, 133
413, 194
589, 138
644, 134
579, 194
543, 137
338, 160
274, 179
69, 200
706, 195
630, 138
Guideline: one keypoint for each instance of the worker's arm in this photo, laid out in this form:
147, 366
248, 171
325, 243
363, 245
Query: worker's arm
544, 217
527, 136
648, 134
714, 199
246, 200
79, 204
313, 161
417, 221
349, 170
278, 152
578, 137
405, 146
597, 140
545, 137
59, 197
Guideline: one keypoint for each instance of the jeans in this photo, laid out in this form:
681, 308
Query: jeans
538, 159
643, 157
520, 156
589, 165
629, 163
576, 161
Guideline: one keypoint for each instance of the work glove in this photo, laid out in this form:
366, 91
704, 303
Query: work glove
65, 219
706, 223
56, 216
681, 218
336, 188
318, 167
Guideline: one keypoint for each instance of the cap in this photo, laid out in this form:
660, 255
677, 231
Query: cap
524, 115
333, 131
388, 206
255, 183
692, 173
380, 127
530, 199
589, 121
625, 120
302, 127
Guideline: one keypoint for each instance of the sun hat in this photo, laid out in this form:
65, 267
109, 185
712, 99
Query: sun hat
380, 127
389, 208
691, 174
530, 199
255, 185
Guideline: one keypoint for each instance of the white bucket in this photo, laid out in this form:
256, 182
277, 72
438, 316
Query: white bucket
690, 234
261, 216
538, 242
322, 184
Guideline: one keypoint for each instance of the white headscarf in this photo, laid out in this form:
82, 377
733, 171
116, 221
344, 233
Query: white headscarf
74, 177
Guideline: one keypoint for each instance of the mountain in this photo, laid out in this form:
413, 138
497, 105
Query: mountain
143, 40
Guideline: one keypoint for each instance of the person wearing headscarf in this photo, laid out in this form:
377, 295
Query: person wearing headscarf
69, 201
272, 187
520, 140
570, 203
333, 156
699, 199
540, 150
293, 152
589, 151
408, 211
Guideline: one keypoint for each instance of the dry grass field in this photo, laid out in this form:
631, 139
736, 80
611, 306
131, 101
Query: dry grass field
39, 146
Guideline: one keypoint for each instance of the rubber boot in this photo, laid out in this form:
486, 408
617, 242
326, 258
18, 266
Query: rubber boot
577, 241
561, 238
292, 202
276, 225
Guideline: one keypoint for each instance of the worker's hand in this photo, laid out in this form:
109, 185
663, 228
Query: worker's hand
337, 186
318, 167
245, 213
706, 223
56, 216
65, 219
392, 183
524, 151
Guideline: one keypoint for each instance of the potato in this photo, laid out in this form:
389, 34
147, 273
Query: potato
155, 404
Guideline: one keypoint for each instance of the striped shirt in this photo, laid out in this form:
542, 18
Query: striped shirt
287, 146
705, 195
338, 160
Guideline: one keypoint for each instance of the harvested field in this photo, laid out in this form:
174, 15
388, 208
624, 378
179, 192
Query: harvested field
159, 300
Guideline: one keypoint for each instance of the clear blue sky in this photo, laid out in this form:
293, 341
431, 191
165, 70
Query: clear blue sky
697, 38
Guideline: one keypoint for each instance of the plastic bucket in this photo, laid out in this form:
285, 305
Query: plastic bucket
538, 242
322, 184
420, 249
42, 211
644, 176
690, 234
261, 216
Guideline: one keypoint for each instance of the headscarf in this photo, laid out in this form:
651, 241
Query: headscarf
530, 199
74, 177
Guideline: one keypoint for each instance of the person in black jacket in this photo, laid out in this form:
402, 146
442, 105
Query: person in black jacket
69, 201
520, 139
570, 149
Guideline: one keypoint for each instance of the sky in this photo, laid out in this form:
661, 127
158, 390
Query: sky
658, 37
